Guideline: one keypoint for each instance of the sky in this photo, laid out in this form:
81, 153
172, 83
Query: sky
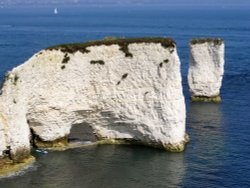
121, 2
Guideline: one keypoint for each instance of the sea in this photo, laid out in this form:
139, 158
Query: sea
218, 154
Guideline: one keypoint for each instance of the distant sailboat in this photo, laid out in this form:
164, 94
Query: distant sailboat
55, 11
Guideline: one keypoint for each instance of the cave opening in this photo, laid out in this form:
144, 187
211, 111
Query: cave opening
81, 132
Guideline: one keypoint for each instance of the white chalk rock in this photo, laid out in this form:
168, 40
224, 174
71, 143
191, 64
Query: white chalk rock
3, 127
125, 89
206, 67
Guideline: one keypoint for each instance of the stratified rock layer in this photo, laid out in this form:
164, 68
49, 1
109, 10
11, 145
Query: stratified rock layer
206, 69
127, 90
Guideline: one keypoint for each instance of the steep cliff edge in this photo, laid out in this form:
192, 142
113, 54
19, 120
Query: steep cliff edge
126, 90
206, 69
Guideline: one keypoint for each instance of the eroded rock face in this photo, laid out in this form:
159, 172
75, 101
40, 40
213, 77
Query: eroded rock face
2, 134
206, 69
124, 89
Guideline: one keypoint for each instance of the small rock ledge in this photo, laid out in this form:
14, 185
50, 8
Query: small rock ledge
9, 167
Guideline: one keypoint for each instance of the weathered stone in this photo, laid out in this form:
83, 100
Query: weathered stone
206, 69
147, 106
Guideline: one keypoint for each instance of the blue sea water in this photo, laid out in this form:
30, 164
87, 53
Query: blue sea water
218, 154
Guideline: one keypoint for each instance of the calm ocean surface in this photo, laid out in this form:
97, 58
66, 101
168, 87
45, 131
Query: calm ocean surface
218, 154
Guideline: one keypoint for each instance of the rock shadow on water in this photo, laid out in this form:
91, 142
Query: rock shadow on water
206, 118
205, 124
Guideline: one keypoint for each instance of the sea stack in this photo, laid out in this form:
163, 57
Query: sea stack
206, 69
126, 90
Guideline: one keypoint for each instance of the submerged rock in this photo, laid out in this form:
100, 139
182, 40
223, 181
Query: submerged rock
126, 90
206, 69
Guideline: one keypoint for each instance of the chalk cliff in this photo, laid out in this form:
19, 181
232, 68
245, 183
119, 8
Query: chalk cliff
127, 90
206, 69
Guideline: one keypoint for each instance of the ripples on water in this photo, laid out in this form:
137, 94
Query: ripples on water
218, 154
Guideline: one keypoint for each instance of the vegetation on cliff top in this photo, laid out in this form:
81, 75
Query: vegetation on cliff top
122, 42
216, 41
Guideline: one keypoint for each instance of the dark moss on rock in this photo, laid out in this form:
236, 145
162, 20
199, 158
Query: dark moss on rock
122, 42
124, 76
39, 143
16, 155
171, 50
63, 67
100, 62
5, 79
66, 59
20, 154
15, 80
216, 41
164, 62
127, 141
177, 147
8, 166
215, 99
125, 50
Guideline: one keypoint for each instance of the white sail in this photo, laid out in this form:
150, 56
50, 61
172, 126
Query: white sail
55, 11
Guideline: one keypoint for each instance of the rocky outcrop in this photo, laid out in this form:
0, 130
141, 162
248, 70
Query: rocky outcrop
206, 69
127, 90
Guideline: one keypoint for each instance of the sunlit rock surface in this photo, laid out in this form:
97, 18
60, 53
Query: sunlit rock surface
126, 90
206, 69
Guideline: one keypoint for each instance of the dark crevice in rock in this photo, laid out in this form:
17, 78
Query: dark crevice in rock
66, 59
100, 62
171, 50
7, 153
33, 137
118, 83
164, 62
6, 78
15, 79
124, 76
